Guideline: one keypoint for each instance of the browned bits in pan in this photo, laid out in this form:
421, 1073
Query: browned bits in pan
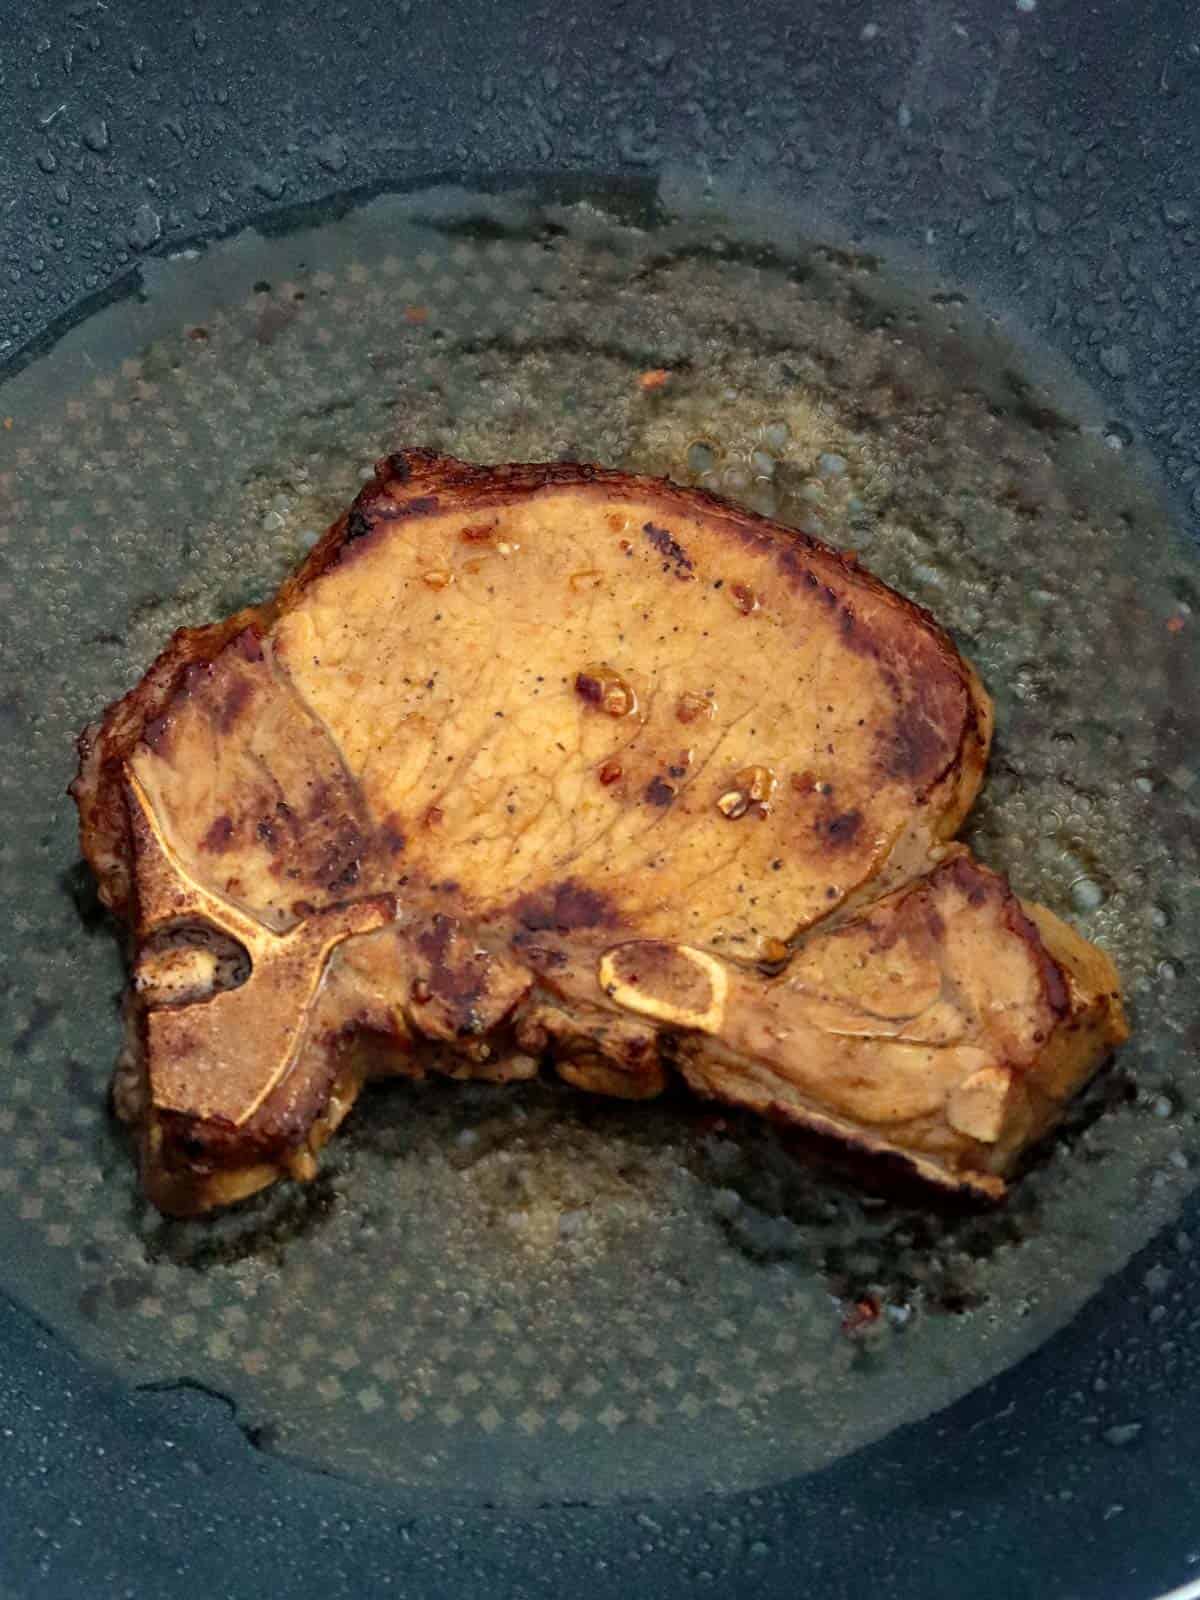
605, 688
751, 787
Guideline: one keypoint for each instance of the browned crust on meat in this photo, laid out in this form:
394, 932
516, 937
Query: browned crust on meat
191, 1164
417, 482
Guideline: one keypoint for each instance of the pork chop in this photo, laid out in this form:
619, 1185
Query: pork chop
548, 762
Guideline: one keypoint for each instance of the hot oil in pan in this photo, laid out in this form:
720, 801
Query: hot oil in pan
520, 1292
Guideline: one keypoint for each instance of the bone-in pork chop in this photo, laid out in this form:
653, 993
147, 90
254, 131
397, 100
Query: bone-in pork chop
547, 761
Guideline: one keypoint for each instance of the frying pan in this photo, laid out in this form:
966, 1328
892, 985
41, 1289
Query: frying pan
1043, 153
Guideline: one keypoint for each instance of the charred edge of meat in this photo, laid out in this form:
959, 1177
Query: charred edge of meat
460, 484
369, 518
357, 526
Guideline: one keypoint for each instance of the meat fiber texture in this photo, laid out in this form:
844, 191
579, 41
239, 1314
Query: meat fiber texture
535, 764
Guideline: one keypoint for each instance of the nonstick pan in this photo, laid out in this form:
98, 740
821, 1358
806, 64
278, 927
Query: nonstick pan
927, 274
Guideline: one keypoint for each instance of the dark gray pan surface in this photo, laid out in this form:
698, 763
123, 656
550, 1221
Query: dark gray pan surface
1046, 212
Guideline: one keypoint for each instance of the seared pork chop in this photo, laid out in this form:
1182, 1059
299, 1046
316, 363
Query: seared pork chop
550, 762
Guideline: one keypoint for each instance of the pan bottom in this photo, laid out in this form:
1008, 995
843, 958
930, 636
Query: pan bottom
520, 1294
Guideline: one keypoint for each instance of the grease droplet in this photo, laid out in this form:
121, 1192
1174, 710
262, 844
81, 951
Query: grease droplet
1086, 894
94, 132
145, 229
331, 153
